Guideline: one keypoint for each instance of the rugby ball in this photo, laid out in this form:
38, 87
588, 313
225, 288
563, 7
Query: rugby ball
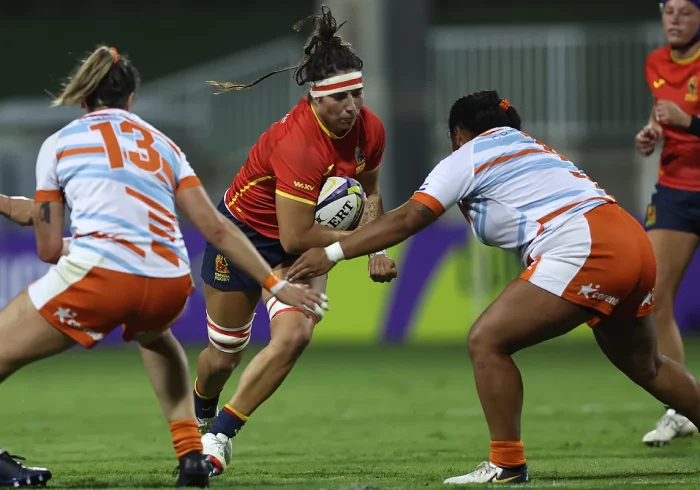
340, 203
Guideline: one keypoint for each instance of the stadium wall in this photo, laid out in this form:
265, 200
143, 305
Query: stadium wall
446, 279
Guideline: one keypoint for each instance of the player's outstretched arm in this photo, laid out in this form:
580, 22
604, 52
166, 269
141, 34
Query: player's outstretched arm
299, 231
48, 230
17, 209
386, 231
226, 237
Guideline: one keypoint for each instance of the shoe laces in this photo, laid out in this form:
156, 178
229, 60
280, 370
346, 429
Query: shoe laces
13, 457
669, 421
484, 468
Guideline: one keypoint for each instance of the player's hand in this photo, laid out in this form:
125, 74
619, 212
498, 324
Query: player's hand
302, 297
312, 263
646, 140
382, 268
667, 112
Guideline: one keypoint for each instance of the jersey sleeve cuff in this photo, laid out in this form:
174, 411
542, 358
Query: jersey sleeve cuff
48, 196
427, 200
295, 198
187, 182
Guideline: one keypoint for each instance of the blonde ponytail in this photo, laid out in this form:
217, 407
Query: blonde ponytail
87, 77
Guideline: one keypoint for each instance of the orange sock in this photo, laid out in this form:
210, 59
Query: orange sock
508, 454
186, 437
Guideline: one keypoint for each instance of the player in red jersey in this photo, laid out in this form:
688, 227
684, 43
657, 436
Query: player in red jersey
273, 201
673, 216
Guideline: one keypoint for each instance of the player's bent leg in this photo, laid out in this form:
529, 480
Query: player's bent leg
26, 336
166, 364
291, 332
674, 251
230, 317
498, 333
631, 346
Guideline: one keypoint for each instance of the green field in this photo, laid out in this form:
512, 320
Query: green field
351, 418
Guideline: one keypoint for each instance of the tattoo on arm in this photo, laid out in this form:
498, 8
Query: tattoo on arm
373, 210
425, 212
45, 212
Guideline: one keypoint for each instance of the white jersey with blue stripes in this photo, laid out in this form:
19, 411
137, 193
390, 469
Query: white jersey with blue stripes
512, 189
119, 175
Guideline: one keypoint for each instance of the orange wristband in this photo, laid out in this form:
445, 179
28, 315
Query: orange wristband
274, 283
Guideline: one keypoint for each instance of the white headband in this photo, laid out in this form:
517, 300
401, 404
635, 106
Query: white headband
338, 83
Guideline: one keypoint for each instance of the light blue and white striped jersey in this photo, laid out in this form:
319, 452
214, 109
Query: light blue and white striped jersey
512, 189
119, 175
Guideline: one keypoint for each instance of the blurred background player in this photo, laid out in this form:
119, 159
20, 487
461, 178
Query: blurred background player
127, 264
273, 201
17, 209
673, 217
587, 261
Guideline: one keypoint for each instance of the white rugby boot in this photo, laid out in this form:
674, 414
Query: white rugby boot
218, 451
487, 472
206, 423
671, 426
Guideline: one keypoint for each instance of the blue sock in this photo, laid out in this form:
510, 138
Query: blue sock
228, 422
204, 406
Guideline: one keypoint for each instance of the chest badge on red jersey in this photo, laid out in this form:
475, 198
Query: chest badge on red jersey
692, 95
360, 160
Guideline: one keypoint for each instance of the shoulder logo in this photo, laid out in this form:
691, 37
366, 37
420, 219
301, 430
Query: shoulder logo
360, 160
659, 82
301, 185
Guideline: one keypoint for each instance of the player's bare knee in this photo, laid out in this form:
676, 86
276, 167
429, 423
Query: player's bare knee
291, 335
663, 312
292, 339
644, 374
291, 331
223, 362
480, 341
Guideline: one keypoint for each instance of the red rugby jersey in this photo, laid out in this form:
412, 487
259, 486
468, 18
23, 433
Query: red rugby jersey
293, 157
677, 81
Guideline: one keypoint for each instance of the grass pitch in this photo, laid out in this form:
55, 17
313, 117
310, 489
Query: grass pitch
351, 419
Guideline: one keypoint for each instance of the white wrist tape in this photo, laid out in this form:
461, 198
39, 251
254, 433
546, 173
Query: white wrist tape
334, 252
277, 287
381, 252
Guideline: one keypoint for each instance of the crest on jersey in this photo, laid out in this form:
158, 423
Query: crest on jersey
651, 215
221, 272
360, 160
692, 95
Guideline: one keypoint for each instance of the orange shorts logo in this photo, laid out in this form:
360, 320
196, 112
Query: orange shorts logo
651, 215
221, 272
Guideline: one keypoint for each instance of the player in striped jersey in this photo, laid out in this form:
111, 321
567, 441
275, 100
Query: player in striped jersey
127, 264
586, 260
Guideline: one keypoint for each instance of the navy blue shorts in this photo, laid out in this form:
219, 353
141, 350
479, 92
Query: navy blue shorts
220, 274
674, 209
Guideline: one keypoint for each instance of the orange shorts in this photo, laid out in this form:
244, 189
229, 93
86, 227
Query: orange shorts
601, 259
87, 302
